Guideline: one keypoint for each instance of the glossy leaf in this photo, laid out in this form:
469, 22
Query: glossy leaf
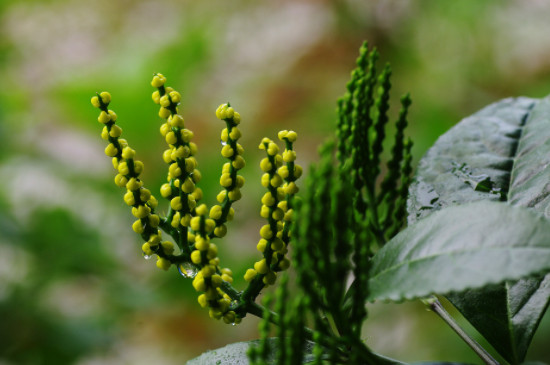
458, 248
499, 153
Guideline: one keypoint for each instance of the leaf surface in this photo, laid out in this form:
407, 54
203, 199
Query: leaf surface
235, 354
457, 249
500, 153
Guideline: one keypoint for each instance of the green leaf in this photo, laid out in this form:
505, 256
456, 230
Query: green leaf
458, 248
235, 354
499, 153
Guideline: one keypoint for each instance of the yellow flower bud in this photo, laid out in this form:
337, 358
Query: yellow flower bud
238, 162
268, 199
175, 96
187, 135
111, 150
291, 136
225, 135
188, 186
207, 271
240, 149
261, 267
146, 249
221, 196
220, 231
156, 97
138, 167
115, 131
265, 165
220, 112
236, 118
165, 128
95, 101
272, 149
123, 168
165, 190
235, 133
297, 171
158, 80
167, 247
141, 211
250, 275
167, 156
104, 117
215, 212
196, 176
171, 138
154, 239
199, 284
291, 188
289, 156
266, 232
196, 257
278, 214
128, 153
134, 184
193, 148
164, 113
121, 180
283, 171
225, 180
129, 198
282, 134
261, 246
284, 264
209, 225
203, 301
186, 220
154, 220
216, 281
138, 227
240, 181
276, 180
235, 194
175, 203
195, 224
202, 209
212, 251
176, 121
227, 151
231, 214
264, 212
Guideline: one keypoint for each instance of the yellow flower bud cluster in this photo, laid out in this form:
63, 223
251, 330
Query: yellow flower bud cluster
290, 172
193, 226
276, 208
183, 174
141, 200
210, 278
230, 181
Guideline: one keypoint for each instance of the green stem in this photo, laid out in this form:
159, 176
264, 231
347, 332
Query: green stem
435, 305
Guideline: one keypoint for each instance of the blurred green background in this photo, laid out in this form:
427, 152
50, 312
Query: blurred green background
74, 287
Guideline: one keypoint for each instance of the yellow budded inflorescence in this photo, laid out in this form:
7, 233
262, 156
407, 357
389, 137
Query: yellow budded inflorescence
183, 174
280, 175
129, 169
193, 225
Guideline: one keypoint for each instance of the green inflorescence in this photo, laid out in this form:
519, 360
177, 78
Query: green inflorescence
350, 208
192, 225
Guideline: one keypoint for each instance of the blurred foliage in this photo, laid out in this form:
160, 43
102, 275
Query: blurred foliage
73, 285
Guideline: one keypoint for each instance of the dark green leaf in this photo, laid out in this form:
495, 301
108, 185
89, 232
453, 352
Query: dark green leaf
499, 153
458, 248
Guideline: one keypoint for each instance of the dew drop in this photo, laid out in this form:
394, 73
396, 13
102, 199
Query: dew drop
233, 324
223, 143
187, 270
147, 257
